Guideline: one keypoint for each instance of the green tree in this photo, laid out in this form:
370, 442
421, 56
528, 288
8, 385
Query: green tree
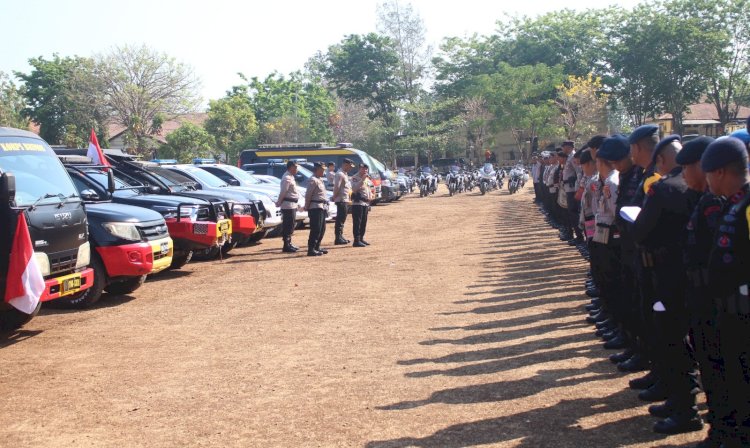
365, 68
64, 97
186, 143
582, 105
231, 121
11, 104
143, 88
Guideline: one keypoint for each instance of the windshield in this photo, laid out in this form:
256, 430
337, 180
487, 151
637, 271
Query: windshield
122, 188
243, 176
488, 168
171, 178
39, 174
426, 169
204, 177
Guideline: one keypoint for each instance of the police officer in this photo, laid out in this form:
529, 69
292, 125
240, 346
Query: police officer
568, 181
660, 229
703, 224
360, 205
342, 190
316, 202
331, 173
725, 164
288, 201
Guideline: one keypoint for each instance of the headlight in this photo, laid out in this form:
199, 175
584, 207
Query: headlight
43, 262
84, 255
190, 213
124, 230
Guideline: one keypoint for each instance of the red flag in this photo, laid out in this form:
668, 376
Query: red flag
95, 152
24, 284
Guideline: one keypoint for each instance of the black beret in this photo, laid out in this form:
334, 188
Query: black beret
663, 143
586, 157
349, 161
317, 165
364, 165
614, 148
693, 150
741, 134
723, 151
577, 155
290, 164
561, 154
647, 130
568, 143
596, 141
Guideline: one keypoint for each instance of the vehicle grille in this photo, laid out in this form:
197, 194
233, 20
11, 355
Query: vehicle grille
158, 255
64, 261
200, 229
153, 232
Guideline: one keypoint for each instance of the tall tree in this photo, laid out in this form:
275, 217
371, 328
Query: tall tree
188, 142
143, 88
231, 121
63, 97
407, 32
11, 104
582, 105
365, 68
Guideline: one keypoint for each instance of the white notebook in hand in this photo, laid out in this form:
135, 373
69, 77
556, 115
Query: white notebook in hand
630, 213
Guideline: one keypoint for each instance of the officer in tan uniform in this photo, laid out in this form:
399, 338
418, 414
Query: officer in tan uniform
342, 190
316, 202
361, 196
288, 201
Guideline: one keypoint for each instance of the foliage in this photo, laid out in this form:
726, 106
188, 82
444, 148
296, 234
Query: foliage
11, 104
582, 106
186, 143
64, 97
143, 88
231, 122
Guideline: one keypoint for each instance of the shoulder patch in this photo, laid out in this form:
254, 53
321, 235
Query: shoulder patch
649, 182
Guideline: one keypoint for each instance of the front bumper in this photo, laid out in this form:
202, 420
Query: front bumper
197, 235
65, 285
243, 225
134, 260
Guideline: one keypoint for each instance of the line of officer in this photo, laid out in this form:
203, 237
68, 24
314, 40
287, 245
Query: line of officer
342, 190
289, 202
316, 201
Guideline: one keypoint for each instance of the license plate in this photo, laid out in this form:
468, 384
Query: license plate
70, 285
224, 227
164, 248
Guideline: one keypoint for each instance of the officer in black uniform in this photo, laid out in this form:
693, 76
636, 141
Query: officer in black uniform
660, 229
703, 224
725, 164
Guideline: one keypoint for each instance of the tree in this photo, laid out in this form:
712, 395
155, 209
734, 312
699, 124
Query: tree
406, 30
231, 121
11, 104
186, 143
364, 68
477, 121
582, 105
64, 97
143, 88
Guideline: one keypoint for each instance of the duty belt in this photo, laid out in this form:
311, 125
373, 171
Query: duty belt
318, 202
291, 200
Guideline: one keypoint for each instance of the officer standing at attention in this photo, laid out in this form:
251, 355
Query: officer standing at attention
703, 224
661, 229
288, 201
331, 173
317, 207
342, 190
569, 179
360, 205
725, 164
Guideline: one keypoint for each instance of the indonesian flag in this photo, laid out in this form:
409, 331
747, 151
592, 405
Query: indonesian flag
25, 284
95, 152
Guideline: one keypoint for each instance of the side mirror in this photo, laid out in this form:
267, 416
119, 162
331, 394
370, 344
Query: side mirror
89, 195
233, 182
7, 188
153, 189
111, 182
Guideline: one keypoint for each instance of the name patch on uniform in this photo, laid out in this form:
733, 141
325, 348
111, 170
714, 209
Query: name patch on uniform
725, 242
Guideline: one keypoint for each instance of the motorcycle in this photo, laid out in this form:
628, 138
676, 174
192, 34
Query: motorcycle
487, 180
516, 181
426, 181
453, 179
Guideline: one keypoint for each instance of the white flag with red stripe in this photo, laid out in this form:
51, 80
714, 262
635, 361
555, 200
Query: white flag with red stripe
95, 152
24, 284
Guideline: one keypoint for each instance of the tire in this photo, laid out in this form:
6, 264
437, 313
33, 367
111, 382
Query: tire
181, 259
126, 286
206, 254
227, 247
12, 319
482, 189
92, 295
255, 237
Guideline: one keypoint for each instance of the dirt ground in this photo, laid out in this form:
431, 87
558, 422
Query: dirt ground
462, 325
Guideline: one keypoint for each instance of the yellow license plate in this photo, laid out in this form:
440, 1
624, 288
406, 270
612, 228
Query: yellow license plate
70, 285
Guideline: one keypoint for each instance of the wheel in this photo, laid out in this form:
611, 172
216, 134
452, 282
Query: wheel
227, 247
206, 254
482, 189
255, 237
90, 296
12, 319
125, 286
180, 259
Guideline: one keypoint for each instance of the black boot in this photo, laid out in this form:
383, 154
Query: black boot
322, 251
674, 425
635, 364
663, 410
313, 253
288, 247
358, 243
621, 357
643, 382
616, 343
657, 392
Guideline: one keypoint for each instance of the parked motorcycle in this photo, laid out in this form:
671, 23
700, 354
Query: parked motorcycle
426, 180
487, 180
454, 180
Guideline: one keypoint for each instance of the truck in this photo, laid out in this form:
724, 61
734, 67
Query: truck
34, 182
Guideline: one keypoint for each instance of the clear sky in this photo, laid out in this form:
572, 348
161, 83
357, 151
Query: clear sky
219, 38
